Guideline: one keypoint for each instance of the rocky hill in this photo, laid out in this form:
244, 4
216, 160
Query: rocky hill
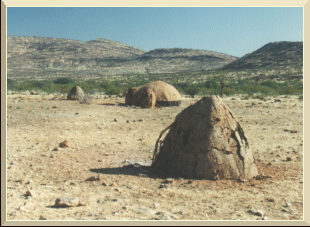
48, 57
273, 55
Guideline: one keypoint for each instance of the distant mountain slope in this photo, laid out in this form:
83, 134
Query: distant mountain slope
272, 55
51, 56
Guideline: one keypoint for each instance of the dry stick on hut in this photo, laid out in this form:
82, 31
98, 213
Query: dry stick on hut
156, 145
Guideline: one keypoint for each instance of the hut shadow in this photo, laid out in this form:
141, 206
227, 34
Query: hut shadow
115, 104
129, 170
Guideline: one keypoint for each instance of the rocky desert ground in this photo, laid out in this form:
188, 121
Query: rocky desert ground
106, 166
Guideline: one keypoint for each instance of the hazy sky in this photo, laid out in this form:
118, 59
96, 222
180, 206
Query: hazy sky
231, 30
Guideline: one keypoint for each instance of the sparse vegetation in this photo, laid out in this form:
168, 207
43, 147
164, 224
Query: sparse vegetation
214, 83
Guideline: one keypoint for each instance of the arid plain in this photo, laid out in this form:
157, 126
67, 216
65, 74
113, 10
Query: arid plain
115, 143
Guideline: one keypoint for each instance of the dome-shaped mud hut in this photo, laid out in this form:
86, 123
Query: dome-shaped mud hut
205, 141
156, 92
76, 93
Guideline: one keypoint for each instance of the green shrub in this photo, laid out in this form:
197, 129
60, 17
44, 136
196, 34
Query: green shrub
64, 80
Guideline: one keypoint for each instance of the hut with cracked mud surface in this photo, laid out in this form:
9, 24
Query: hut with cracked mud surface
154, 93
205, 141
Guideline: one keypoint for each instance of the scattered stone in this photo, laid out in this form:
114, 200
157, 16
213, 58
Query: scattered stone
181, 212
284, 210
115, 213
279, 155
168, 181
288, 159
163, 186
54, 106
56, 149
113, 185
64, 144
68, 202
21, 208
156, 205
134, 120
42, 218
31, 193
257, 212
277, 100
275, 160
117, 190
163, 216
265, 129
115, 120
265, 218
242, 180
290, 131
288, 205
142, 175
271, 200
141, 120
93, 178
127, 121
104, 184
124, 208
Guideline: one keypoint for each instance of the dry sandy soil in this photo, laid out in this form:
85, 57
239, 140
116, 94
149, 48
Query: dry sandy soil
119, 153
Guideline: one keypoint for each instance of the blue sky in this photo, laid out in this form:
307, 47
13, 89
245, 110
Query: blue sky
231, 30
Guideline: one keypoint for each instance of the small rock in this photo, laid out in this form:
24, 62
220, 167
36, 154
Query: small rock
288, 205
67, 202
93, 178
277, 100
288, 159
141, 120
21, 207
127, 121
265, 218
117, 189
163, 186
64, 144
168, 181
279, 155
42, 218
104, 184
242, 180
142, 175
31, 193
271, 200
284, 210
113, 185
56, 149
156, 205
115, 120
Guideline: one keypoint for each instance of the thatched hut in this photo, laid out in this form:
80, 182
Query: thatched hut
156, 92
205, 141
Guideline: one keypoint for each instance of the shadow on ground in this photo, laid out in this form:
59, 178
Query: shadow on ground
127, 170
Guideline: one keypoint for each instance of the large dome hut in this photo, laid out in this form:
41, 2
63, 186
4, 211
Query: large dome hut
205, 141
156, 92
